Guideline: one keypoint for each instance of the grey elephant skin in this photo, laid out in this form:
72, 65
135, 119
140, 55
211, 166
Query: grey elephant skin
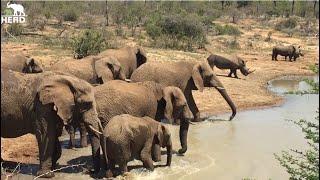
185, 75
130, 58
127, 137
291, 51
20, 63
231, 62
140, 99
93, 69
41, 104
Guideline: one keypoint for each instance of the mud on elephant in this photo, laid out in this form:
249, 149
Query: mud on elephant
41, 104
20, 63
231, 62
139, 100
185, 75
127, 136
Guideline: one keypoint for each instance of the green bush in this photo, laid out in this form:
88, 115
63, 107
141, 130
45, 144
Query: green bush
90, 42
153, 31
288, 24
304, 165
227, 29
15, 29
70, 14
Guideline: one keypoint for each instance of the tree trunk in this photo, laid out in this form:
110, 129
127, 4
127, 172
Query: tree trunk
258, 8
107, 14
314, 7
222, 4
274, 3
292, 9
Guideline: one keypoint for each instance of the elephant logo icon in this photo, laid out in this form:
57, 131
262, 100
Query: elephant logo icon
18, 9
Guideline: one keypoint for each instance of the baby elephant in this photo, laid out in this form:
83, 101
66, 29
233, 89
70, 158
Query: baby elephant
231, 62
291, 51
128, 137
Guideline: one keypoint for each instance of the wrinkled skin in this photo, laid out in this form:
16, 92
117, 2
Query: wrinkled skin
93, 69
229, 62
139, 100
185, 75
20, 63
291, 51
128, 137
130, 58
41, 104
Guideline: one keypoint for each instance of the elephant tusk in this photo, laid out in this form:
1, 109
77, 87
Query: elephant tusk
93, 129
127, 80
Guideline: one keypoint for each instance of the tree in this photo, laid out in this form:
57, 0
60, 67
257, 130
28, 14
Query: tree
292, 9
107, 14
314, 7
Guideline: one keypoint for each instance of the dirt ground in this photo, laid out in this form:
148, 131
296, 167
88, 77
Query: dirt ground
248, 92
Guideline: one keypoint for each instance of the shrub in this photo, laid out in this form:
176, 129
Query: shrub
227, 29
89, 43
70, 14
15, 29
153, 31
289, 24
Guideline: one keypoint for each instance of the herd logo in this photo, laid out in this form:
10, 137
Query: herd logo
14, 13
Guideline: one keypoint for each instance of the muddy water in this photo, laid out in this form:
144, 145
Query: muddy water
225, 150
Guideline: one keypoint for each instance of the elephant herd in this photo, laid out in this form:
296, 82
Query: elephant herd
116, 96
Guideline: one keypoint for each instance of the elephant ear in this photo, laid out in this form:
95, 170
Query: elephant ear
66, 93
104, 70
169, 97
60, 95
141, 56
197, 78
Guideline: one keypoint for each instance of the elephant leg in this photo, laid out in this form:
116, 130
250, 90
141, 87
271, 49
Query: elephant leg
145, 155
156, 152
183, 134
110, 169
193, 107
83, 135
123, 167
229, 75
72, 133
275, 57
56, 153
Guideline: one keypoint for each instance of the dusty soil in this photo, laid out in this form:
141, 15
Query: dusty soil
248, 92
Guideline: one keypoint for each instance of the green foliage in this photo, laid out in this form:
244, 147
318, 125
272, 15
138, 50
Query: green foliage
15, 29
314, 85
303, 165
227, 29
70, 14
288, 23
89, 43
153, 31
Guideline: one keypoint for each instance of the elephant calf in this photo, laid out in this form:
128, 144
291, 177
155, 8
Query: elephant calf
285, 51
229, 62
127, 136
20, 63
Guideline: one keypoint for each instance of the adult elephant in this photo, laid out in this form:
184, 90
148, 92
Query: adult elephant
187, 76
21, 63
41, 104
291, 51
231, 62
139, 100
130, 58
93, 69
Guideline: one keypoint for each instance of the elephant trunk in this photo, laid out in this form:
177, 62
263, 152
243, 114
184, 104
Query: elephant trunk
169, 152
183, 134
225, 95
92, 121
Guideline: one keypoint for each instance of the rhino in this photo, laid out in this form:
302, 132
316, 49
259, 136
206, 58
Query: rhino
231, 62
291, 51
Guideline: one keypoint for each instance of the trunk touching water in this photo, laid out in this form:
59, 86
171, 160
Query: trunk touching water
225, 95
183, 134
